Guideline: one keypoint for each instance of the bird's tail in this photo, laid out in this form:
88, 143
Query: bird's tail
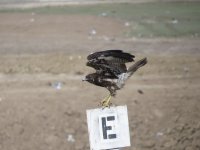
124, 76
136, 66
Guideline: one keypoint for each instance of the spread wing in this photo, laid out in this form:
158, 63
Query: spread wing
117, 56
109, 63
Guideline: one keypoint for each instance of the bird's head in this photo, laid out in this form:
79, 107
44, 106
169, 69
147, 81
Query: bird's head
88, 78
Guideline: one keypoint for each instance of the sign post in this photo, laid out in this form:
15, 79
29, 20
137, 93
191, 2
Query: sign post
108, 128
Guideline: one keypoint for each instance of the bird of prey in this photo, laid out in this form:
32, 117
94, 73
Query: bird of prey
111, 71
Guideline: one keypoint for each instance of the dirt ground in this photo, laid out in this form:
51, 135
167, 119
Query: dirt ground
40, 52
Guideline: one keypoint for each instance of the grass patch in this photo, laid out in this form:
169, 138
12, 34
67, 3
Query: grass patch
158, 19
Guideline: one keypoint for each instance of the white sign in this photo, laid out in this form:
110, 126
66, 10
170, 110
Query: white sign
108, 128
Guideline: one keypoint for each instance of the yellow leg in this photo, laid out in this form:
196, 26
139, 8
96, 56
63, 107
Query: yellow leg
106, 101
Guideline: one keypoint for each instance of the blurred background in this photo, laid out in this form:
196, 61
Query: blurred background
43, 50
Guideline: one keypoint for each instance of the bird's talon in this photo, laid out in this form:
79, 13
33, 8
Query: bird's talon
105, 104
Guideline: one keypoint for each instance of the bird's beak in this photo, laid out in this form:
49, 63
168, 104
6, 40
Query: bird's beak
84, 79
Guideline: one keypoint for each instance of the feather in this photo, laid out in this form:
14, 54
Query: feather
136, 66
117, 56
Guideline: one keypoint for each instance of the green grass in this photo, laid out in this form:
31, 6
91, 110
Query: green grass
171, 19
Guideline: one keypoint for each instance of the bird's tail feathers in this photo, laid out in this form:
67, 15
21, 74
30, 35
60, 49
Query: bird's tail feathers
124, 76
136, 66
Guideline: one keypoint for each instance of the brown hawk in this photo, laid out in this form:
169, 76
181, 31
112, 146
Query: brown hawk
111, 71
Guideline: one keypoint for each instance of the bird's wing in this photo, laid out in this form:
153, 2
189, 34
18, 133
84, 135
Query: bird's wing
114, 56
110, 61
102, 69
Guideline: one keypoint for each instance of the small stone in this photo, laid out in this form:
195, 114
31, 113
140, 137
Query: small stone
126, 24
70, 138
103, 14
71, 57
68, 112
135, 101
158, 134
93, 32
140, 91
